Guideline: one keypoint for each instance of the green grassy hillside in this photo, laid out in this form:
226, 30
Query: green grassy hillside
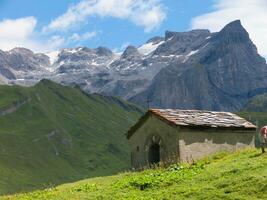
257, 118
51, 134
256, 112
257, 104
242, 175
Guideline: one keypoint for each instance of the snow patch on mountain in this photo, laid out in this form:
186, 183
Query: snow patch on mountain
192, 53
3, 80
53, 56
72, 51
94, 63
189, 55
148, 48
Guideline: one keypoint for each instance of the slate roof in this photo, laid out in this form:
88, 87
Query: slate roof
196, 119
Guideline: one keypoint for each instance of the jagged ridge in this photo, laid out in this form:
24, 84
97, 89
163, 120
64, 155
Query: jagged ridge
195, 69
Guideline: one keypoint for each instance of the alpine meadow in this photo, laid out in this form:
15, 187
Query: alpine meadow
133, 100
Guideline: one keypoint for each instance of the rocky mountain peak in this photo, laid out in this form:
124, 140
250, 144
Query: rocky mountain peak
103, 51
184, 35
234, 25
225, 65
182, 43
155, 40
169, 35
232, 33
20, 50
130, 52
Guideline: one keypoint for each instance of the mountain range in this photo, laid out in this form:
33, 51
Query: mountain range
188, 70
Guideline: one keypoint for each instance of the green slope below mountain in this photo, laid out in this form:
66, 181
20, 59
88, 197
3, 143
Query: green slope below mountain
50, 134
256, 112
257, 104
241, 175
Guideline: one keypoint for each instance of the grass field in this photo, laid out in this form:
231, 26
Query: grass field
59, 134
241, 175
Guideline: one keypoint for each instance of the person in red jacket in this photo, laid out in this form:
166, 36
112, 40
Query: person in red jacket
263, 133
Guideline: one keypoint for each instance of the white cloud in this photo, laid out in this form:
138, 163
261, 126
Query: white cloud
76, 37
55, 42
252, 14
21, 33
19, 28
145, 13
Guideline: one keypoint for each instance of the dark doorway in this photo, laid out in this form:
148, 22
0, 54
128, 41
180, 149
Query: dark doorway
154, 154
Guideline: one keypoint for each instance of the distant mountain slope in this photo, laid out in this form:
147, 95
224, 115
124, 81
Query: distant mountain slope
240, 175
50, 134
195, 69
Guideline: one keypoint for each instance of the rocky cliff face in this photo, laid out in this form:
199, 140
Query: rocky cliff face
189, 70
19, 63
222, 74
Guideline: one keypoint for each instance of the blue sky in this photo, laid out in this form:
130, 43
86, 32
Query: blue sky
47, 25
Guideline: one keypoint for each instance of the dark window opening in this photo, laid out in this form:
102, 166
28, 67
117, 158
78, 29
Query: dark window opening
154, 154
137, 148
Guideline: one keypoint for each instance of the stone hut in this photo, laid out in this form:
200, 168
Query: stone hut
186, 135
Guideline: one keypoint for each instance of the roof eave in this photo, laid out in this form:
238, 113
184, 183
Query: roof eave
154, 112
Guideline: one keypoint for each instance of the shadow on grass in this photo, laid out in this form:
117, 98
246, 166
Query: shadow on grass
255, 155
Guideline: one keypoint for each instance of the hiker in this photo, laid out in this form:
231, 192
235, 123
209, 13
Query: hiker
263, 138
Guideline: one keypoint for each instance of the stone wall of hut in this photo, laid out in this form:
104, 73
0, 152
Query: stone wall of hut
183, 145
